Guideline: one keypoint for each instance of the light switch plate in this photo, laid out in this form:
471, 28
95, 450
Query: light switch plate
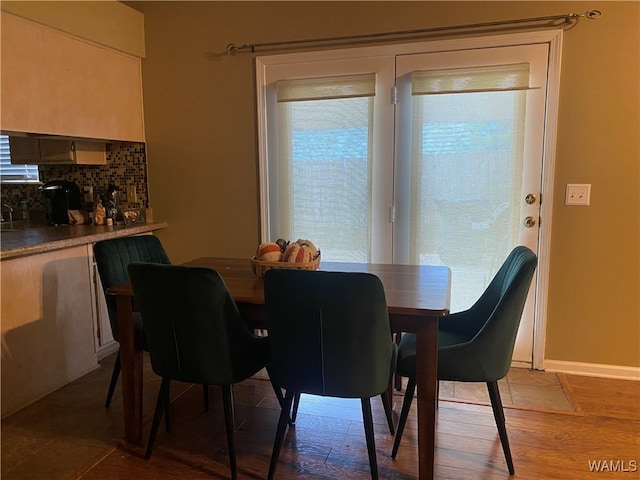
578, 194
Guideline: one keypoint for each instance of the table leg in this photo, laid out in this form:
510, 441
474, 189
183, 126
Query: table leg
131, 372
398, 378
427, 385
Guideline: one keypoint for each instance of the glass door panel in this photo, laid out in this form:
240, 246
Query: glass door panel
470, 152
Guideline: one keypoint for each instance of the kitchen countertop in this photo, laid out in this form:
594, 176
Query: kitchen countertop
40, 239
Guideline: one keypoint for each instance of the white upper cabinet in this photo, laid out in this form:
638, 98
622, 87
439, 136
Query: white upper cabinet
33, 151
58, 84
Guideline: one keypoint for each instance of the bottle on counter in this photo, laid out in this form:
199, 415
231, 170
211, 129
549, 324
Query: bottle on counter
25, 210
111, 202
100, 214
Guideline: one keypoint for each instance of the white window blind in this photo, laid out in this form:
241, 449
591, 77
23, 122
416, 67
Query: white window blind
10, 173
467, 150
495, 78
348, 86
325, 163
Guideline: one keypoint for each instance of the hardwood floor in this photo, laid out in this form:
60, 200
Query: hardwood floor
560, 427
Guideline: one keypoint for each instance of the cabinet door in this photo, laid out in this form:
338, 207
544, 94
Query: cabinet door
77, 152
24, 150
56, 151
103, 338
58, 84
89, 153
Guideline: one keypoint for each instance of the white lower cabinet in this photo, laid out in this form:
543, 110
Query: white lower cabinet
54, 324
103, 338
47, 324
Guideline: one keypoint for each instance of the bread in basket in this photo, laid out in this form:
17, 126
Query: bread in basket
299, 255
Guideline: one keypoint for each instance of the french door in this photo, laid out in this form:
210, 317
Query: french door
431, 157
468, 171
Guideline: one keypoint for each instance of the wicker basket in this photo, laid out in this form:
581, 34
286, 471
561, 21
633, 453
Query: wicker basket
261, 267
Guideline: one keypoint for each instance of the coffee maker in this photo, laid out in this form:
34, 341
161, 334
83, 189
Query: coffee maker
62, 196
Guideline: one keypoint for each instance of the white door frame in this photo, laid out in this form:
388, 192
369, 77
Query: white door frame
552, 37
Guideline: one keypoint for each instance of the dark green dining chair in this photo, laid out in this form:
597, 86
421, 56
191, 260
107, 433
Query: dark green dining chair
476, 345
329, 335
195, 334
112, 258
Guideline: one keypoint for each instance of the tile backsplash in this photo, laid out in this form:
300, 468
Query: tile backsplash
126, 166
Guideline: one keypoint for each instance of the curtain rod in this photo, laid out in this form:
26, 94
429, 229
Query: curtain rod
567, 20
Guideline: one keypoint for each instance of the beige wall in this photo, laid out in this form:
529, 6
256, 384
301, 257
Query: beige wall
106, 22
201, 133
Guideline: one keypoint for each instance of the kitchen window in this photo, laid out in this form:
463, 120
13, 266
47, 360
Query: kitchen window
10, 173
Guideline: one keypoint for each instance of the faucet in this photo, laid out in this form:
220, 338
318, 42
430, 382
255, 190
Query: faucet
10, 211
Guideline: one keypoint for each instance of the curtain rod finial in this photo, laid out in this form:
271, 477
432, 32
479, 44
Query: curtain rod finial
232, 49
593, 14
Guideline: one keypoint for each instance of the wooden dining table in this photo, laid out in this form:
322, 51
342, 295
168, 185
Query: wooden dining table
417, 296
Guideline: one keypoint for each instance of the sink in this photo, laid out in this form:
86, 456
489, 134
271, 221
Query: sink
14, 226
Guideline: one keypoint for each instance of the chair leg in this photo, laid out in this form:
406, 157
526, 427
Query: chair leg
406, 405
498, 414
282, 426
163, 394
114, 380
280, 397
205, 391
167, 410
368, 433
294, 410
227, 401
386, 403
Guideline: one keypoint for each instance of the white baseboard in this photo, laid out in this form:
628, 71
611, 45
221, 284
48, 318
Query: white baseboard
107, 350
592, 369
